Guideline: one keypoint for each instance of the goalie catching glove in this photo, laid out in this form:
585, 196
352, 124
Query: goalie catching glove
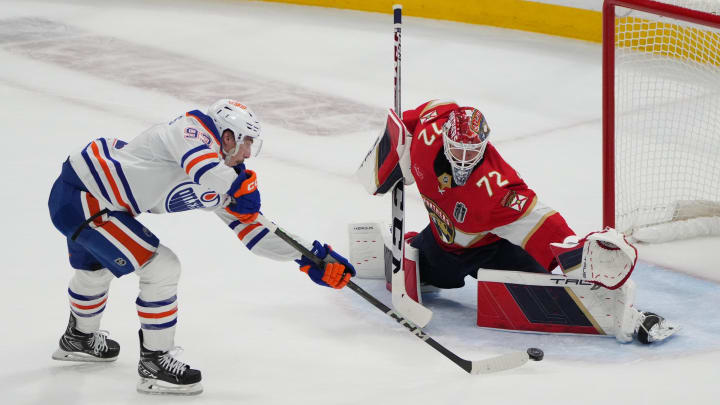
337, 271
605, 258
246, 197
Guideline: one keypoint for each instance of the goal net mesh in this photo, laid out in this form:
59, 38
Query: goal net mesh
667, 118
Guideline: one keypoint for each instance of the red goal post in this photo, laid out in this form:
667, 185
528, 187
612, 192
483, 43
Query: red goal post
661, 118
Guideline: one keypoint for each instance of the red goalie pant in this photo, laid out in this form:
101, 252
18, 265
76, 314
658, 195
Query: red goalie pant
532, 308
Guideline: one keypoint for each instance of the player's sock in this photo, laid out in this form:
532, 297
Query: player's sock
79, 346
161, 373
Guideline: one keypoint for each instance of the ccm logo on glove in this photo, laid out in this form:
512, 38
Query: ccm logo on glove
245, 183
246, 205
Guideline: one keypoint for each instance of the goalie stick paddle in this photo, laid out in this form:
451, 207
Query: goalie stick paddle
485, 366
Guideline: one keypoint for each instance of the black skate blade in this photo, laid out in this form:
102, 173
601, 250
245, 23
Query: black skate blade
159, 387
63, 355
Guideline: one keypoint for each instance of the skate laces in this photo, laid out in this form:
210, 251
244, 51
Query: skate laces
171, 364
98, 341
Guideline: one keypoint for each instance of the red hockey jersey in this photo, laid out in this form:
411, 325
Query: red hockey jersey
494, 202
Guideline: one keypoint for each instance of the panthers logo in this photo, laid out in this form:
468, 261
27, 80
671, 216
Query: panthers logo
441, 220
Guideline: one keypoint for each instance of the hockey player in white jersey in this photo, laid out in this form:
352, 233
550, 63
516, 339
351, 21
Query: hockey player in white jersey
196, 161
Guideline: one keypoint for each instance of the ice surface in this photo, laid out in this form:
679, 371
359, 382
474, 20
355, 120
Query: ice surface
320, 79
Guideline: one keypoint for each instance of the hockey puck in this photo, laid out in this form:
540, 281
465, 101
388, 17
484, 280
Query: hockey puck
535, 354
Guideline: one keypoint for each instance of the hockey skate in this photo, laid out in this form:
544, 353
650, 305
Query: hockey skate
654, 328
91, 347
645, 327
161, 373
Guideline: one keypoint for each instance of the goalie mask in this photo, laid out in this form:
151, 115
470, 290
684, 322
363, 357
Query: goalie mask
465, 136
240, 120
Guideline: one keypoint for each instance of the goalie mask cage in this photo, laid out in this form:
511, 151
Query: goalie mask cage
661, 117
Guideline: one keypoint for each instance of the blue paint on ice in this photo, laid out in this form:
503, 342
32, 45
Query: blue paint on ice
692, 303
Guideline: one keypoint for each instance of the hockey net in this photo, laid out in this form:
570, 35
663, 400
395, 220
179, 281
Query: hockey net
661, 118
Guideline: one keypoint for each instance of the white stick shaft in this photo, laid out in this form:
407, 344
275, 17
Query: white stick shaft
524, 278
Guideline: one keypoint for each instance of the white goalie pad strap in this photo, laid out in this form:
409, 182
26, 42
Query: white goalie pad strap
386, 162
367, 249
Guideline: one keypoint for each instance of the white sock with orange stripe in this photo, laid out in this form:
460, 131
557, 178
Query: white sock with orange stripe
157, 302
88, 291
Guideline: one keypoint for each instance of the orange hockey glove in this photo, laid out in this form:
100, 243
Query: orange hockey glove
337, 271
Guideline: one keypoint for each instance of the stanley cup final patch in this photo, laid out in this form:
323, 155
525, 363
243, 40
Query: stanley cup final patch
514, 200
459, 212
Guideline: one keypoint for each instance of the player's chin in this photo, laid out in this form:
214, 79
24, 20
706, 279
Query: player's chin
234, 162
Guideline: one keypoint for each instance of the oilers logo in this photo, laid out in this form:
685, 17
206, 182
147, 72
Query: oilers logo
190, 196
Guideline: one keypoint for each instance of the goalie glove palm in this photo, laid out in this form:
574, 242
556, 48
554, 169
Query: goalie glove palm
337, 271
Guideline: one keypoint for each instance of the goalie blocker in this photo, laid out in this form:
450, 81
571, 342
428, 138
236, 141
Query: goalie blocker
386, 162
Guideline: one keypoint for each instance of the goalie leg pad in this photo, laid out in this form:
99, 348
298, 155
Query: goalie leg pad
530, 308
414, 287
616, 314
411, 267
367, 249
580, 310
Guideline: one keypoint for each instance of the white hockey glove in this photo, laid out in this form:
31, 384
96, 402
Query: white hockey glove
605, 258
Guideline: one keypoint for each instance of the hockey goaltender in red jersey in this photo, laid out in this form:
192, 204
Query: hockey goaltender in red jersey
484, 216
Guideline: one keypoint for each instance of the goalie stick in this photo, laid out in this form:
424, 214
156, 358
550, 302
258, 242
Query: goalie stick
539, 279
405, 305
485, 366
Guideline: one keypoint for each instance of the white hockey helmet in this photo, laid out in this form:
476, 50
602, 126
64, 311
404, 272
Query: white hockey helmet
465, 136
238, 118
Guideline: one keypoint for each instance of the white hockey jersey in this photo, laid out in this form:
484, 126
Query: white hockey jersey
170, 168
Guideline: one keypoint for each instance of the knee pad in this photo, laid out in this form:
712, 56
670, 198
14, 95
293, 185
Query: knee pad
159, 277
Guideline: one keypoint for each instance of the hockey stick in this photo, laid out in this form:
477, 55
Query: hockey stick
489, 365
405, 305
540, 279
